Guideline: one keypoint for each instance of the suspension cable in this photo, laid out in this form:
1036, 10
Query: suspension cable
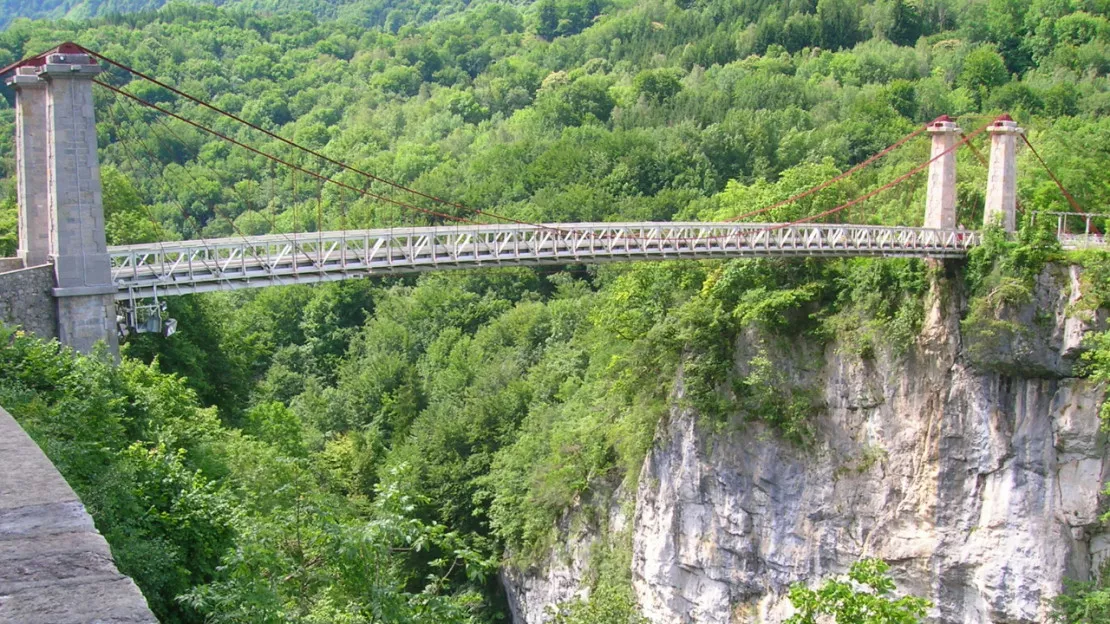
196, 156
215, 210
834, 180
902, 178
186, 217
297, 145
276, 159
322, 178
1071, 199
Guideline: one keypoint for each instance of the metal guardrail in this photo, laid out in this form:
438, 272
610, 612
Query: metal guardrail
1081, 241
247, 262
1091, 236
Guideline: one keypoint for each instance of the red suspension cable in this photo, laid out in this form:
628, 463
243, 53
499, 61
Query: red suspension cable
446, 216
902, 178
834, 180
974, 150
297, 145
1071, 199
279, 160
405, 205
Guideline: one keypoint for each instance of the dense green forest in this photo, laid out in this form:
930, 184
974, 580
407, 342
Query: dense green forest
11, 10
248, 468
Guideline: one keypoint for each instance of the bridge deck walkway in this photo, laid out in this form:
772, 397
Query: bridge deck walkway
274, 259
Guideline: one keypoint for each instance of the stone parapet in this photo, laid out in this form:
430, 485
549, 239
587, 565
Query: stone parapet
56, 568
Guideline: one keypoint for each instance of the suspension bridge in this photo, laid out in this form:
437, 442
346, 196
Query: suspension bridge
96, 290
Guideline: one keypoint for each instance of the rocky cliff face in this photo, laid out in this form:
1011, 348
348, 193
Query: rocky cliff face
981, 489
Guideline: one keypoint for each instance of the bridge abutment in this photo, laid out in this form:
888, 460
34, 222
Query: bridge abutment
1001, 204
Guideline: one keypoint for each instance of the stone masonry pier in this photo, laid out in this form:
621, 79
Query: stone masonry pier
54, 566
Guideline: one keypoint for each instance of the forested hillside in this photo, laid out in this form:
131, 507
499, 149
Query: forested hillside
11, 10
369, 451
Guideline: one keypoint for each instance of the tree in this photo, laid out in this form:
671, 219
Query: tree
657, 85
906, 23
571, 102
801, 30
1005, 22
547, 19
127, 220
606, 605
983, 70
9, 241
839, 23
1082, 603
399, 79
1061, 100
863, 598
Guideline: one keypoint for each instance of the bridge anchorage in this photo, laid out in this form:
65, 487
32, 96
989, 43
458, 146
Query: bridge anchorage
67, 282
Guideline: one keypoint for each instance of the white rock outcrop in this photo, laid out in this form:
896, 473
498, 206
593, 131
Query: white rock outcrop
981, 490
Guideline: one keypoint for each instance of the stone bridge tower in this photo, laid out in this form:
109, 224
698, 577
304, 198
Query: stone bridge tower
1001, 205
61, 212
940, 193
1001, 201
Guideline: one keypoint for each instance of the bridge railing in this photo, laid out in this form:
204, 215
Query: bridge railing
231, 263
1091, 236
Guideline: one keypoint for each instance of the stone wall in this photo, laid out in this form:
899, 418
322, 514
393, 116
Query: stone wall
26, 300
56, 568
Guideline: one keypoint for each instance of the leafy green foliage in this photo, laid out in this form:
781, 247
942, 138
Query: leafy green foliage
9, 241
983, 70
882, 305
215, 526
864, 597
1081, 603
611, 599
657, 84
496, 401
132, 443
338, 569
765, 394
1096, 357
1000, 275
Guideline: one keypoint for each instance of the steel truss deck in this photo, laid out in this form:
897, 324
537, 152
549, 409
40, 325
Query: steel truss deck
195, 266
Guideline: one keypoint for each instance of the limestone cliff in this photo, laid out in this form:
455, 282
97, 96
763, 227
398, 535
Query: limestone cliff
981, 489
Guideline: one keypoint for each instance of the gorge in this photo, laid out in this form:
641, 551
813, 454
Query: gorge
980, 487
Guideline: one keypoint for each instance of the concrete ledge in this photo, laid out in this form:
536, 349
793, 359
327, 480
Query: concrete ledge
101, 602
85, 291
54, 567
10, 264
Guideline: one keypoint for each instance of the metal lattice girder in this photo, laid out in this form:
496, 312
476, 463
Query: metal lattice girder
276, 259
